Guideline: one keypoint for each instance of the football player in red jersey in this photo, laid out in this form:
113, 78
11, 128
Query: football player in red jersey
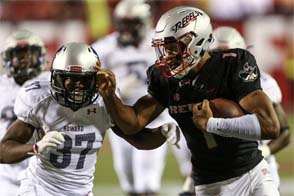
184, 76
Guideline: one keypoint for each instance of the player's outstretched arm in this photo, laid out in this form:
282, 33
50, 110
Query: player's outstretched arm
130, 119
13, 147
148, 139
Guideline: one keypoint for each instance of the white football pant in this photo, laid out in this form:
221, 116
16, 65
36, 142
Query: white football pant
256, 182
32, 187
138, 171
183, 156
274, 169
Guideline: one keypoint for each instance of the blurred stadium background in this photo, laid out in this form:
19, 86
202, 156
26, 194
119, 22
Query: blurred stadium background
267, 25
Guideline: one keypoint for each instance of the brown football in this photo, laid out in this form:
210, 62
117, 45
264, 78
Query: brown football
225, 108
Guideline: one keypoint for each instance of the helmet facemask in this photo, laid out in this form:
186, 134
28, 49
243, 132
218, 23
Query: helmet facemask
188, 31
174, 55
131, 31
74, 89
74, 75
24, 55
132, 21
24, 62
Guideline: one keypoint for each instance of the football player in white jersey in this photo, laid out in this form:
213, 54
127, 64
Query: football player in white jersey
72, 119
128, 53
24, 57
228, 37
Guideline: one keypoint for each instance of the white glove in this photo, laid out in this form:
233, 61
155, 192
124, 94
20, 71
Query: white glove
265, 150
50, 141
172, 133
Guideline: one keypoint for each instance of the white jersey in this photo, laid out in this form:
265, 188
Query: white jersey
9, 172
271, 88
8, 90
69, 169
129, 65
273, 91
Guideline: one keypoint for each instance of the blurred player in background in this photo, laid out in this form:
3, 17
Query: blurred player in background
225, 156
128, 53
227, 38
24, 58
73, 119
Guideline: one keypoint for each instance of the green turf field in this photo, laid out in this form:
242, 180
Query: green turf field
106, 183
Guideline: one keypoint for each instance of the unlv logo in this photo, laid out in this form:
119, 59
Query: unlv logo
89, 111
192, 16
249, 72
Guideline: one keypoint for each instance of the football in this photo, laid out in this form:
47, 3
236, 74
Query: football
224, 108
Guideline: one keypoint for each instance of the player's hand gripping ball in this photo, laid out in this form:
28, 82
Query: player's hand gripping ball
218, 108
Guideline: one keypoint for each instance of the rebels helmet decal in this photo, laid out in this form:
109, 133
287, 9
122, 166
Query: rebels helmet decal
186, 20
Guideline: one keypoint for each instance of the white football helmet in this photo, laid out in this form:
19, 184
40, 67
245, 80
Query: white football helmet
24, 55
227, 37
182, 36
132, 20
73, 75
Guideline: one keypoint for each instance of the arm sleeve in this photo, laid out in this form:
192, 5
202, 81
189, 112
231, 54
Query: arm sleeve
245, 75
